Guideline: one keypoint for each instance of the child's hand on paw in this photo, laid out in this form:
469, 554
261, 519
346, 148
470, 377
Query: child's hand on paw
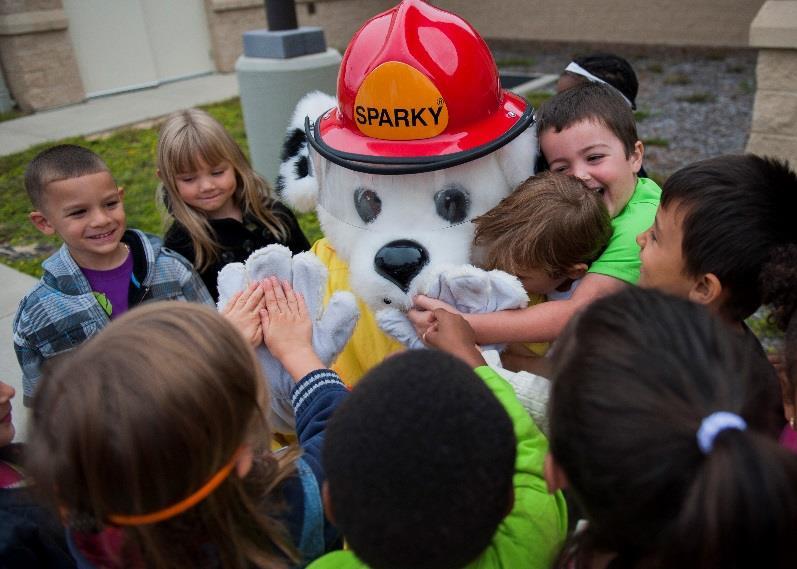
287, 328
421, 315
451, 333
243, 311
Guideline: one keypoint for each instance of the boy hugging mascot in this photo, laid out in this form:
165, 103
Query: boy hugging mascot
420, 140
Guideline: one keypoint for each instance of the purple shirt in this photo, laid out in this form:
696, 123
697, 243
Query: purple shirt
114, 284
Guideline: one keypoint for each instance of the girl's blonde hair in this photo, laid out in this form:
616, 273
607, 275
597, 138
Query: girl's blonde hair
141, 416
189, 136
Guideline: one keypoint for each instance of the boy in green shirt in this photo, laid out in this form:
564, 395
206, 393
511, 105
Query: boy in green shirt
587, 132
430, 465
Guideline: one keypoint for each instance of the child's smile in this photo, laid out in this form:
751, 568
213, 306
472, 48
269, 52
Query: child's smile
591, 152
87, 213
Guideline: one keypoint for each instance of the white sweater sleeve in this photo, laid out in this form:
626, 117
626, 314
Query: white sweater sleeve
532, 390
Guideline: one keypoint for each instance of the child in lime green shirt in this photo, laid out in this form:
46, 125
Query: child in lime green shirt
432, 465
587, 132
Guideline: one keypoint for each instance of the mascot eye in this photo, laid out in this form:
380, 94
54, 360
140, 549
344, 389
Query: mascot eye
452, 204
368, 204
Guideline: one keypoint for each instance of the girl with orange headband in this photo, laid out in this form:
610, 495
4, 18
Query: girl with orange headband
152, 440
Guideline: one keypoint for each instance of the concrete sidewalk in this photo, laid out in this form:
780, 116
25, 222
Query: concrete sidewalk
93, 116
14, 287
113, 111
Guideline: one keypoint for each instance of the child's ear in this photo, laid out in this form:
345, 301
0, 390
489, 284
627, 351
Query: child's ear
576, 271
707, 291
158, 174
555, 477
636, 156
327, 501
38, 219
243, 464
121, 193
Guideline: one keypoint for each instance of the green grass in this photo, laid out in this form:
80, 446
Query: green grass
769, 334
677, 79
660, 142
130, 154
515, 61
642, 114
698, 97
537, 98
12, 114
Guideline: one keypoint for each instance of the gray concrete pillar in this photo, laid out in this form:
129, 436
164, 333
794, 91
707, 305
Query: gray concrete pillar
270, 89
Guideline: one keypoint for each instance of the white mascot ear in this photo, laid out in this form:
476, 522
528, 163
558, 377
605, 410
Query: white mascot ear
296, 183
517, 159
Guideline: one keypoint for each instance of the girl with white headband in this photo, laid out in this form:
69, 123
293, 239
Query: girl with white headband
605, 68
662, 431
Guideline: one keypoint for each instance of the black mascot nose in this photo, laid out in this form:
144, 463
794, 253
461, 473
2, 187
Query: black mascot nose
399, 262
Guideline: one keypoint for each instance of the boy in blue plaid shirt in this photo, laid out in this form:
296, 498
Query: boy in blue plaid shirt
101, 270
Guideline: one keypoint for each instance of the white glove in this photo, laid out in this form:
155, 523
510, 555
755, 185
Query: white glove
468, 289
332, 327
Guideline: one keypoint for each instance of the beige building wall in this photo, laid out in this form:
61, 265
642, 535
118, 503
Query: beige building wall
773, 131
229, 19
38, 59
712, 23
36, 54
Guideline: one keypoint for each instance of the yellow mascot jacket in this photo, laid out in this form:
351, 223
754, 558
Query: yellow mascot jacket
368, 345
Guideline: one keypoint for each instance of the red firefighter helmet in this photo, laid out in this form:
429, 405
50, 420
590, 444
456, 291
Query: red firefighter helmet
418, 90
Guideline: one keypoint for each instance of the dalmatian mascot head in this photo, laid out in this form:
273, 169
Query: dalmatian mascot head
420, 140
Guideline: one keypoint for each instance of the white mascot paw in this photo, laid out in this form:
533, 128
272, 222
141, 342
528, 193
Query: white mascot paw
332, 327
468, 289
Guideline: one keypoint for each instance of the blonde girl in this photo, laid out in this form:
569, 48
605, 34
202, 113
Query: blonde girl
222, 210
152, 441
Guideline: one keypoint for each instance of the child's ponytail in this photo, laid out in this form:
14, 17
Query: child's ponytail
741, 508
636, 376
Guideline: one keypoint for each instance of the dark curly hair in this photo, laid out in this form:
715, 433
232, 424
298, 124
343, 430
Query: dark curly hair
779, 291
419, 461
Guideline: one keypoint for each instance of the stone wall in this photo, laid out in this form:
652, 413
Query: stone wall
228, 20
340, 18
774, 127
36, 54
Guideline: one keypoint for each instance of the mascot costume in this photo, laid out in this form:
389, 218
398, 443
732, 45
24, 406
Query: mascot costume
420, 140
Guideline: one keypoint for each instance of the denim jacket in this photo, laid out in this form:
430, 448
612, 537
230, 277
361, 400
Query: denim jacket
61, 312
